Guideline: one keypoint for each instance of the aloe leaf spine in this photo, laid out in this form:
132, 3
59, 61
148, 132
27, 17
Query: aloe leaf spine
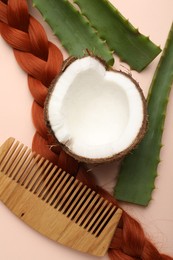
121, 36
139, 169
72, 29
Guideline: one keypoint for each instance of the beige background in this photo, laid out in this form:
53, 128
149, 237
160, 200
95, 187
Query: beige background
18, 241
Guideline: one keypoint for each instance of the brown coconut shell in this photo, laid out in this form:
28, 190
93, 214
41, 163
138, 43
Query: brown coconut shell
115, 157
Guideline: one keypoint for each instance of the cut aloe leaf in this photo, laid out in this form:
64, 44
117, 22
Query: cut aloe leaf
139, 169
72, 29
131, 46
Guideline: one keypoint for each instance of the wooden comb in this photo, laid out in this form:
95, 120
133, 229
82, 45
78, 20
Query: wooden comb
53, 202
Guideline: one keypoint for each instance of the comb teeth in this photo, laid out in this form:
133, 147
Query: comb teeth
55, 188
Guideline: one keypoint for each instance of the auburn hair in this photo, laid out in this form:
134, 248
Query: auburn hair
42, 61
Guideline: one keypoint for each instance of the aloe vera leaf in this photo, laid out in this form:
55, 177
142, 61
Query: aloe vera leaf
139, 169
131, 46
72, 29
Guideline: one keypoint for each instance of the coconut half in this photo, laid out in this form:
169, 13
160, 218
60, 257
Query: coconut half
96, 114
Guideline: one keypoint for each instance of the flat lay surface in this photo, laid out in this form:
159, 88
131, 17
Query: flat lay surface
20, 242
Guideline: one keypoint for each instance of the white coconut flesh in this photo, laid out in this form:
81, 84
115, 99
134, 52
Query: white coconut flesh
95, 113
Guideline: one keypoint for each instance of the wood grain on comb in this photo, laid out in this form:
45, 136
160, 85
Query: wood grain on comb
53, 202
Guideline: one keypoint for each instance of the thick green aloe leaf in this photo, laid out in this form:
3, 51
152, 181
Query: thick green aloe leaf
131, 46
72, 29
139, 169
